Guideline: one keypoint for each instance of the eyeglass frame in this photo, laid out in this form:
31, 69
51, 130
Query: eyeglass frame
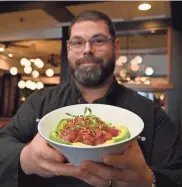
88, 41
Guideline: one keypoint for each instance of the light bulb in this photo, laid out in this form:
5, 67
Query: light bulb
25, 62
40, 85
13, 71
135, 67
1, 49
149, 71
49, 72
23, 98
123, 59
39, 63
28, 84
21, 84
28, 69
32, 60
133, 62
33, 86
35, 74
138, 59
10, 55
144, 6
147, 82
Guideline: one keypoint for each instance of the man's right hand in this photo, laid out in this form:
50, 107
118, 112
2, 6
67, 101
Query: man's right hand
39, 158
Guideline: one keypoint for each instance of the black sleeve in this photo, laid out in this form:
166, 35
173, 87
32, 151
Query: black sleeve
167, 151
13, 137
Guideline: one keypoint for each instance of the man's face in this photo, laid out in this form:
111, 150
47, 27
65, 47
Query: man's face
91, 62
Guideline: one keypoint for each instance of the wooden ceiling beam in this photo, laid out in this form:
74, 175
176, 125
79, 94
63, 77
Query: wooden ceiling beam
56, 9
141, 26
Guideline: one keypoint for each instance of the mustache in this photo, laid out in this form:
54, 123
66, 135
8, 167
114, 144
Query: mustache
94, 59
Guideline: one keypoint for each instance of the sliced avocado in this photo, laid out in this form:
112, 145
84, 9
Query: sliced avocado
53, 136
123, 134
61, 125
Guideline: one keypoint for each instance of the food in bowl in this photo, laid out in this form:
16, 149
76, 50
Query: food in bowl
88, 130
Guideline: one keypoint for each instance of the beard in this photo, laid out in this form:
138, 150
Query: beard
93, 75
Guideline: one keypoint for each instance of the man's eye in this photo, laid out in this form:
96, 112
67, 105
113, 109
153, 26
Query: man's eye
98, 40
77, 42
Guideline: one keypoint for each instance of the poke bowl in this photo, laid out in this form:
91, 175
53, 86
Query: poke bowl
90, 131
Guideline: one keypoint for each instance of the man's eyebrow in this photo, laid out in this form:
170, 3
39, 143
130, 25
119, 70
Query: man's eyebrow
75, 37
95, 35
99, 34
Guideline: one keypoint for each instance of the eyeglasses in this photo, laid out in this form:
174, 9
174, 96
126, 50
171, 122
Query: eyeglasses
77, 44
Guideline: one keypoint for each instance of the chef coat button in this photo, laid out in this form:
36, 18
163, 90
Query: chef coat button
143, 139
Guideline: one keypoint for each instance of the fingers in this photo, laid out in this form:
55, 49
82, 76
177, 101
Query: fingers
98, 169
118, 161
109, 173
92, 179
60, 169
132, 158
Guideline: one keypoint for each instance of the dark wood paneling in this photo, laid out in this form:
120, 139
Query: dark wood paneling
176, 14
65, 71
174, 96
10, 95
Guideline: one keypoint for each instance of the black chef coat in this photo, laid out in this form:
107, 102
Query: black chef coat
160, 140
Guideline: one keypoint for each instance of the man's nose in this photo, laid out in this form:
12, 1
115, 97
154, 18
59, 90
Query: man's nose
88, 49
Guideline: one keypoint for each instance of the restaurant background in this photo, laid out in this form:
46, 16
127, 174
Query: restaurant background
33, 50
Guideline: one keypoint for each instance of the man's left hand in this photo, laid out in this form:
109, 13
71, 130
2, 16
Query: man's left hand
126, 170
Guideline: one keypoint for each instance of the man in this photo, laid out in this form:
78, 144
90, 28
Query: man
26, 158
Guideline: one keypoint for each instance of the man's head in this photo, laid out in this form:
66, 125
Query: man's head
92, 48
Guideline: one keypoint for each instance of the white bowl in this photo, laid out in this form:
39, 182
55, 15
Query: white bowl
76, 154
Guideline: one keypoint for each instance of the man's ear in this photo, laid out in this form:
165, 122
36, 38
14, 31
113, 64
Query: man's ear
68, 47
117, 47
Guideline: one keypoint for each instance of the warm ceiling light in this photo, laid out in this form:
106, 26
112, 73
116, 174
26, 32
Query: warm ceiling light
135, 67
21, 84
121, 60
133, 62
35, 73
162, 97
13, 71
23, 98
28, 83
49, 72
32, 60
128, 78
1, 49
149, 71
40, 85
147, 82
33, 86
25, 62
138, 59
144, 6
143, 79
39, 63
153, 31
28, 69
10, 55
122, 73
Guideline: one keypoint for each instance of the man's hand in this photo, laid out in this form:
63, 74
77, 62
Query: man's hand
41, 159
126, 170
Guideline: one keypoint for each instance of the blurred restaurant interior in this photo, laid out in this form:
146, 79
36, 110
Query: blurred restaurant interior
33, 49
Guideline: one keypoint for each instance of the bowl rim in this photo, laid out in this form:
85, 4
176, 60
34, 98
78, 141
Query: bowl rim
84, 146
